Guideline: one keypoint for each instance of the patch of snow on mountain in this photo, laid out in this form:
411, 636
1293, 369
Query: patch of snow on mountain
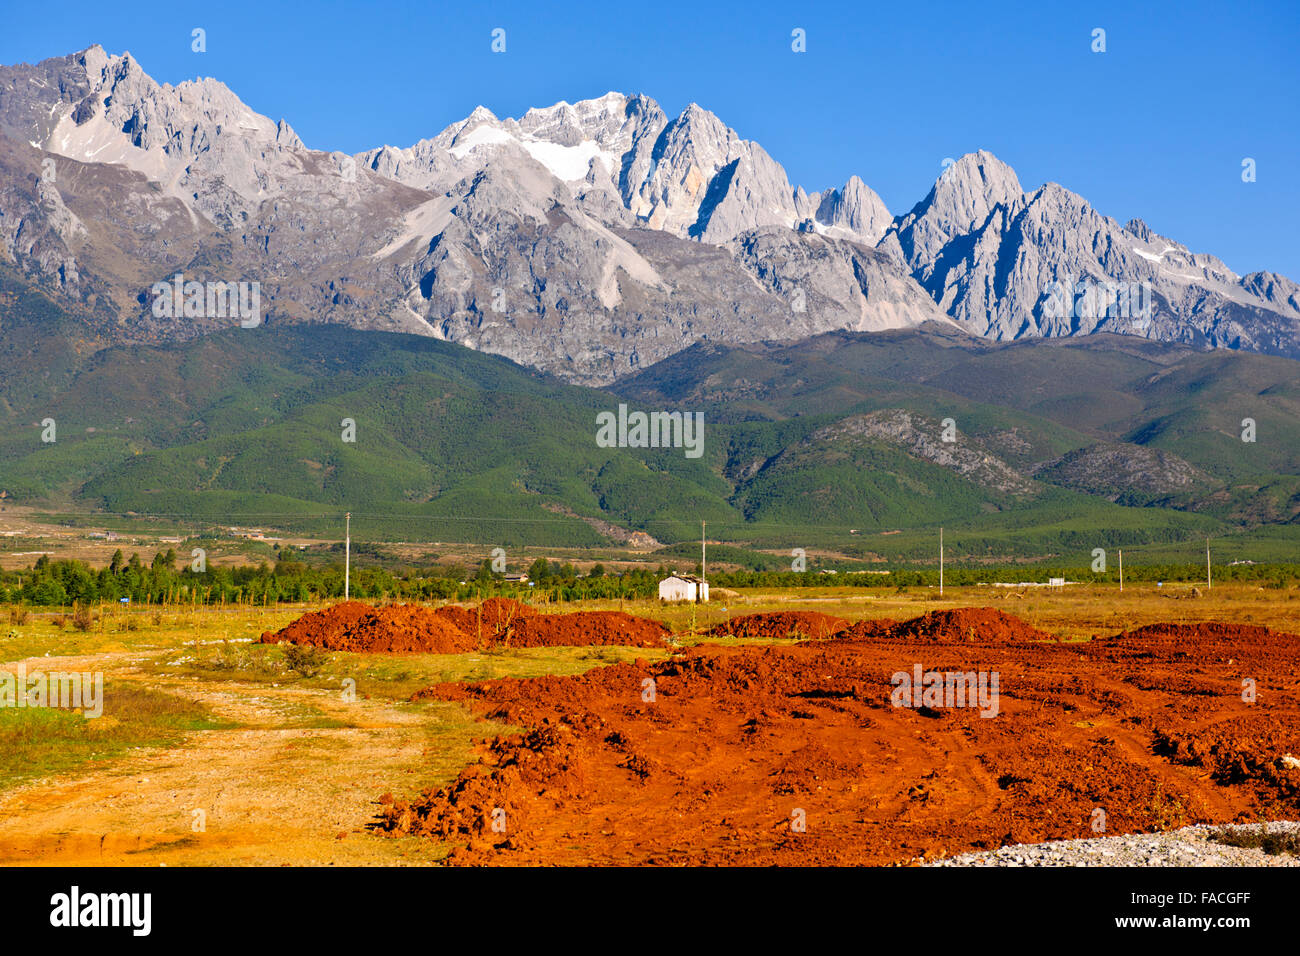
484, 135
567, 163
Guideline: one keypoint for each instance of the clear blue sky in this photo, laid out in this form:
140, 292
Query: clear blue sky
1156, 127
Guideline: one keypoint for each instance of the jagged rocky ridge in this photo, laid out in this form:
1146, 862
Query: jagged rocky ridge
588, 239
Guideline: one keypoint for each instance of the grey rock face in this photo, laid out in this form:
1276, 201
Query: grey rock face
1007, 264
691, 176
590, 302
197, 139
707, 183
960, 202
855, 208
589, 239
923, 438
832, 284
529, 237
1113, 469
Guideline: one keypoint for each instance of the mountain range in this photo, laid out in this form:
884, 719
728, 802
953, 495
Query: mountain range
1011, 364
588, 240
1057, 445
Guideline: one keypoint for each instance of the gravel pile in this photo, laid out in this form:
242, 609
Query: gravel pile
1190, 846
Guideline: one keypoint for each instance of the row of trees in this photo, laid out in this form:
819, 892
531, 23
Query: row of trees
66, 582
1275, 575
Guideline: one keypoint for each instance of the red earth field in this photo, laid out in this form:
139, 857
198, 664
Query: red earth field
738, 746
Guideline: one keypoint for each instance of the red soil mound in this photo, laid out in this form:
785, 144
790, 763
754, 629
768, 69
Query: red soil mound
315, 627
462, 618
490, 619
399, 628
587, 627
500, 612
404, 629
800, 624
863, 629
409, 628
735, 743
1192, 633
964, 624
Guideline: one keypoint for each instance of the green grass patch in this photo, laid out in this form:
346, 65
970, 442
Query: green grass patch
26, 632
391, 676
39, 742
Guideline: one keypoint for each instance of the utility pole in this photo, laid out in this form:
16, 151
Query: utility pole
1121, 570
1208, 582
940, 562
347, 557
703, 566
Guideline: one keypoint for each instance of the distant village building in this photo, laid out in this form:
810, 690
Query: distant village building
252, 534
683, 587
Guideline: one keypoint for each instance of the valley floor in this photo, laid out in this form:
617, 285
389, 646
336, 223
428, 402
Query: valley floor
288, 766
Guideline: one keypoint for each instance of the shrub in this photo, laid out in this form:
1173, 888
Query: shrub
19, 615
229, 658
1272, 843
1167, 812
82, 618
304, 660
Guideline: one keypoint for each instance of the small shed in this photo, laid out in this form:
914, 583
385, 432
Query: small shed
683, 587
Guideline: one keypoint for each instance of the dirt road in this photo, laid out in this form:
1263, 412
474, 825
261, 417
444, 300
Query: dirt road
139, 810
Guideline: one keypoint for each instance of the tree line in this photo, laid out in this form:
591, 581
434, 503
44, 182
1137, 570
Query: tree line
66, 582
